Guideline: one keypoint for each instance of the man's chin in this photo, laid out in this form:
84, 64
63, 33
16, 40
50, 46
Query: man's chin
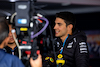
57, 36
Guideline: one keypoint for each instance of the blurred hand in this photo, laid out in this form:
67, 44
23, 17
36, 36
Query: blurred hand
37, 62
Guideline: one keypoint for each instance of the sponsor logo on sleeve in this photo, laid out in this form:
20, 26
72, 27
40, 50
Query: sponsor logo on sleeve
83, 47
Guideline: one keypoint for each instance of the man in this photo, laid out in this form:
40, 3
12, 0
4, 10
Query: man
6, 60
11, 46
71, 43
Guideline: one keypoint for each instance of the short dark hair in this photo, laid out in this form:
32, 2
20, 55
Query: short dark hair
4, 29
68, 17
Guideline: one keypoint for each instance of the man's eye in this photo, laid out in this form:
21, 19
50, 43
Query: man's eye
59, 24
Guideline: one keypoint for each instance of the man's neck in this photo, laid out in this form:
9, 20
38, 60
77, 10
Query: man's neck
12, 46
64, 37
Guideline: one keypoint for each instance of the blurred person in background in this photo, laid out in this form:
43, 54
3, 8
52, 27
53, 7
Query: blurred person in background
8, 60
11, 46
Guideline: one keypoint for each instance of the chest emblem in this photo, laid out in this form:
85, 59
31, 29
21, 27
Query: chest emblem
70, 45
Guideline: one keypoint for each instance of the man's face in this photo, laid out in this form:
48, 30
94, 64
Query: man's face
11, 39
60, 28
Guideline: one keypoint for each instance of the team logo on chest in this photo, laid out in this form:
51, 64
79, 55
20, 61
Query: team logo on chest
70, 45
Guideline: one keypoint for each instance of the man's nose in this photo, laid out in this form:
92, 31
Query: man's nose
55, 27
10, 34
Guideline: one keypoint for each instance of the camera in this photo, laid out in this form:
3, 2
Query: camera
31, 29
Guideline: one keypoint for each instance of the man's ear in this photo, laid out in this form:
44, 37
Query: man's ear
70, 26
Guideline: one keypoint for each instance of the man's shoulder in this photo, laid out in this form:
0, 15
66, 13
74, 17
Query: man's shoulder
12, 60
